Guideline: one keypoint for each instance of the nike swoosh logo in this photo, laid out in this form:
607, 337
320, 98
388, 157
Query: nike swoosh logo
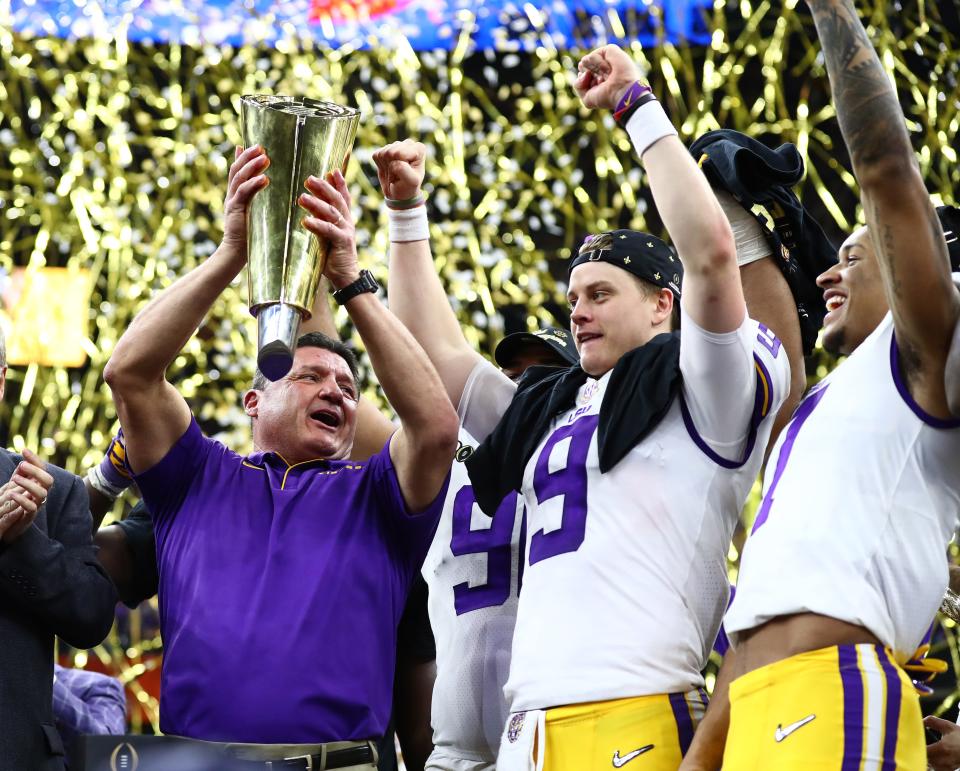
782, 733
619, 762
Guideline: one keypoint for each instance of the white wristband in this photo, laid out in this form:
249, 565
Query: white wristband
408, 224
647, 125
752, 244
99, 482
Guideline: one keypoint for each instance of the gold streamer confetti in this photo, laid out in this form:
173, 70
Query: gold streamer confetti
114, 157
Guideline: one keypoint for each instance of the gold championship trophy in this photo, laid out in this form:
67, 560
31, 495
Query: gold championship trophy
302, 137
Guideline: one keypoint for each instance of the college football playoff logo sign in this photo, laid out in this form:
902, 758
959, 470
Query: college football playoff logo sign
124, 758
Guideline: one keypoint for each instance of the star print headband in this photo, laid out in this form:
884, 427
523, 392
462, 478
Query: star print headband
643, 255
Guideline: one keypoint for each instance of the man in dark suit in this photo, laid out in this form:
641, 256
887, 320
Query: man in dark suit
50, 584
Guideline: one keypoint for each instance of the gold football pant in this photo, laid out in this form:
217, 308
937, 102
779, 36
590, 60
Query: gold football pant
844, 708
644, 733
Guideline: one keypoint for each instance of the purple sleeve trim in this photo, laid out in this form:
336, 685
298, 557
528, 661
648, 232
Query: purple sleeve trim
907, 397
765, 392
761, 406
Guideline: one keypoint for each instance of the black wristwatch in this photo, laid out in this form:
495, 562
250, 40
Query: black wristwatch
365, 283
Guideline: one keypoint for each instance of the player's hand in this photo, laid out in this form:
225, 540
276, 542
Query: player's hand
247, 177
22, 497
603, 77
400, 167
328, 217
943, 755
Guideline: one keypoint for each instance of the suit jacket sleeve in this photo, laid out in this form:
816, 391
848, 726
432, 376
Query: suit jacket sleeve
51, 573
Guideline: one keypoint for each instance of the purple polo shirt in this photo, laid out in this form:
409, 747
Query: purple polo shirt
281, 588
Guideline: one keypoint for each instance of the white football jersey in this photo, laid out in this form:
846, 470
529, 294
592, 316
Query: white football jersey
625, 581
472, 572
861, 497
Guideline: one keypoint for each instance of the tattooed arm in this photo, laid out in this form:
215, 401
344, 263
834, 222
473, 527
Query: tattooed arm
903, 225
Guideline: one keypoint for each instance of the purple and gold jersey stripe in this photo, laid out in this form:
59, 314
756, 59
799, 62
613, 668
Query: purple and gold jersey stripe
852, 707
872, 695
681, 713
764, 390
765, 395
688, 709
848, 707
892, 712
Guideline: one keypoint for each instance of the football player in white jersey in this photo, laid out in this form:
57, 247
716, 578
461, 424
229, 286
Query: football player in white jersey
846, 564
474, 571
630, 588
474, 567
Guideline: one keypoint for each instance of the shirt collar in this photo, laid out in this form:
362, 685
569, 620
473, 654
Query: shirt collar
260, 458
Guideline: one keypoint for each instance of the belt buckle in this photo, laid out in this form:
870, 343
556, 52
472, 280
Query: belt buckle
308, 758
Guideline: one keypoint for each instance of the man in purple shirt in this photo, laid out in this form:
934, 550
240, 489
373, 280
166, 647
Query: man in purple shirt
283, 574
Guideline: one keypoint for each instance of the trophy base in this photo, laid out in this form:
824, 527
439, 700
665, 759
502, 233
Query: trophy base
277, 327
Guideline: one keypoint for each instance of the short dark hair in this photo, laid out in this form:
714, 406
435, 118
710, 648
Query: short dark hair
318, 340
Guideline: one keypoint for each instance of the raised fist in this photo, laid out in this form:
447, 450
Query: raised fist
603, 77
400, 167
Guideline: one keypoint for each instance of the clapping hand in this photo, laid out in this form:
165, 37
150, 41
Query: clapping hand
22, 496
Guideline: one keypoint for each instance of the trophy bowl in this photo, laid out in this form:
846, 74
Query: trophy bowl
302, 137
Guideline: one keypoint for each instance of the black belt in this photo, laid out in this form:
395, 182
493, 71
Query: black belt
349, 756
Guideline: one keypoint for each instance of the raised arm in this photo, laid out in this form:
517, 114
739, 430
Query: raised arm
373, 427
906, 234
712, 294
417, 297
422, 450
769, 301
152, 412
